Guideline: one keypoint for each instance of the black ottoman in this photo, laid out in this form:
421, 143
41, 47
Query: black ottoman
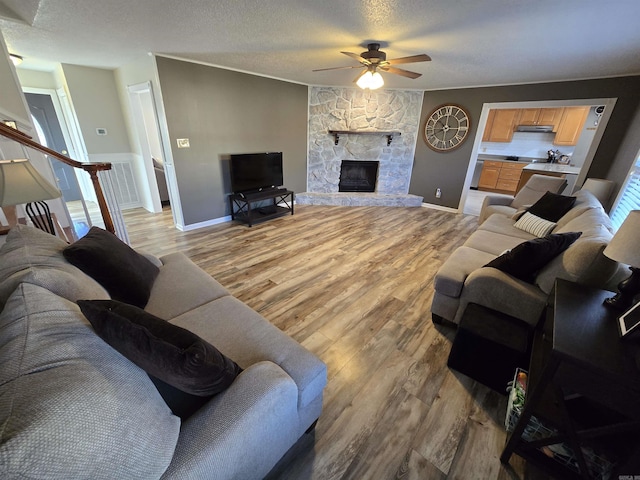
489, 346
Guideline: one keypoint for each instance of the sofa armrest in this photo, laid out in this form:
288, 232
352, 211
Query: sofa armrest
499, 291
242, 432
492, 200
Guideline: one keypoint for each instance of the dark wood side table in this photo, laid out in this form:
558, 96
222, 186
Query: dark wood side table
584, 385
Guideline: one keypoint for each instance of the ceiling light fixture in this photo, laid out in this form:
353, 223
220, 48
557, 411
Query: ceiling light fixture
371, 80
16, 59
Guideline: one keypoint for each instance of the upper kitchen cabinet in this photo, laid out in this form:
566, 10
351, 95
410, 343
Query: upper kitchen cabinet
540, 116
571, 125
500, 125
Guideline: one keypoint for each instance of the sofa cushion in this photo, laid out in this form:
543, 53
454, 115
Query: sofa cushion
583, 262
127, 275
529, 257
181, 286
451, 276
494, 243
166, 351
244, 335
585, 201
70, 405
34, 256
534, 225
504, 225
552, 206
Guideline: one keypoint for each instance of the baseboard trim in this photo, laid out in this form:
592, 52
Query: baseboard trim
208, 223
439, 207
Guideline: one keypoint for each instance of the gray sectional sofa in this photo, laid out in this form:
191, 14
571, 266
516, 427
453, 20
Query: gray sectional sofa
73, 407
463, 279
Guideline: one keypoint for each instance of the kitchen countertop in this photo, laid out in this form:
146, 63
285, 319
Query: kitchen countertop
553, 167
503, 158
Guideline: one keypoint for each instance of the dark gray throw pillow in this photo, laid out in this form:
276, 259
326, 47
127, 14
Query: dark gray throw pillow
170, 353
552, 206
123, 272
526, 259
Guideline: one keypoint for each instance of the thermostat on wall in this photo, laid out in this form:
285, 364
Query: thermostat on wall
101, 131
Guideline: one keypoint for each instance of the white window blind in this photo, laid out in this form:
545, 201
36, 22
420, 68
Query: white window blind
629, 196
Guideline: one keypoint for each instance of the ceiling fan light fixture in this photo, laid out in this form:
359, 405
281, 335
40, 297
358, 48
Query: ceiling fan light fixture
370, 80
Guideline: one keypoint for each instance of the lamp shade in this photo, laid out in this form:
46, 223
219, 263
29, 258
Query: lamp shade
623, 247
21, 183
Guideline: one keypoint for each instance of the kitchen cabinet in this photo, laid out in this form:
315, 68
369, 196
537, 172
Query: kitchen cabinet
540, 116
489, 175
571, 125
487, 130
500, 125
501, 177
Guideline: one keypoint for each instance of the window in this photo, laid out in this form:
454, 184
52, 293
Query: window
629, 196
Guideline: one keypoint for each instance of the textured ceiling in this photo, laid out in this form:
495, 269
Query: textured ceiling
471, 42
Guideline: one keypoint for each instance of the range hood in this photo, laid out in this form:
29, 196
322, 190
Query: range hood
535, 128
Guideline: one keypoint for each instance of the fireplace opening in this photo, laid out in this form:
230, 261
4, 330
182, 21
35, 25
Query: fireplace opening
358, 176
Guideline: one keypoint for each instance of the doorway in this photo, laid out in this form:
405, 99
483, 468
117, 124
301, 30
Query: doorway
146, 124
584, 150
46, 113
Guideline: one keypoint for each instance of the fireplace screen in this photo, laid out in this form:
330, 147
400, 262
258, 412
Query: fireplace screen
358, 176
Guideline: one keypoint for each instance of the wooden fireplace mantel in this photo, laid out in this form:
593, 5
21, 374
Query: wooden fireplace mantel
336, 134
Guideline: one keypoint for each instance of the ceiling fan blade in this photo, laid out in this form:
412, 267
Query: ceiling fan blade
400, 71
359, 75
357, 57
412, 59
336, 68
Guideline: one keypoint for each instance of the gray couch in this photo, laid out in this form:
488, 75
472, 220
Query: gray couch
530, 193
73, 407
463, 279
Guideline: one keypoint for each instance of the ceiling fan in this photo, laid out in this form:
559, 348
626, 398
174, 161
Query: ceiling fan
375, 59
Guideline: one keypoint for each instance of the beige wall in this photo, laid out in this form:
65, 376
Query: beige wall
223, 112
97, 104
38, 79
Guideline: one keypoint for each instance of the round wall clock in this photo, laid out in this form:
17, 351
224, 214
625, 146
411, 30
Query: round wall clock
446, 128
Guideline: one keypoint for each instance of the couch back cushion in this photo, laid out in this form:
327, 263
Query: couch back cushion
585, 201
583, 262
34, 256
70, 405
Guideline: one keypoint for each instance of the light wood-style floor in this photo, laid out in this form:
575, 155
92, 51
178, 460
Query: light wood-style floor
354, 286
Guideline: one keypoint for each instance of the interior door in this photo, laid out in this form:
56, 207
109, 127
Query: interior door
42, 109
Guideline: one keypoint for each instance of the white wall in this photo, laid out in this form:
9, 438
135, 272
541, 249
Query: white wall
140, 71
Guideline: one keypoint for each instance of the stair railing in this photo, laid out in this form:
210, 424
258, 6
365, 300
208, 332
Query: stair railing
91, 168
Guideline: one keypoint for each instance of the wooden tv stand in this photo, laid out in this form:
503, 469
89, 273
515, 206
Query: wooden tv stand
249, 207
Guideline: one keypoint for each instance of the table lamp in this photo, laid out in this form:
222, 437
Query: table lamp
623, 248
21, 183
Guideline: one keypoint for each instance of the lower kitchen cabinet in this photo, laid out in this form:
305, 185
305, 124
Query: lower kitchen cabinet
500, 177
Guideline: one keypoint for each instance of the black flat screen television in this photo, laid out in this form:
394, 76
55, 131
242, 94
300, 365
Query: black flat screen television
252, 172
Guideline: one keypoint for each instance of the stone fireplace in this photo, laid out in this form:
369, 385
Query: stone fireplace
353, 110
358, 176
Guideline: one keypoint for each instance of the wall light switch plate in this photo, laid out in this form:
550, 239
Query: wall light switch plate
183, 142
101, 131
